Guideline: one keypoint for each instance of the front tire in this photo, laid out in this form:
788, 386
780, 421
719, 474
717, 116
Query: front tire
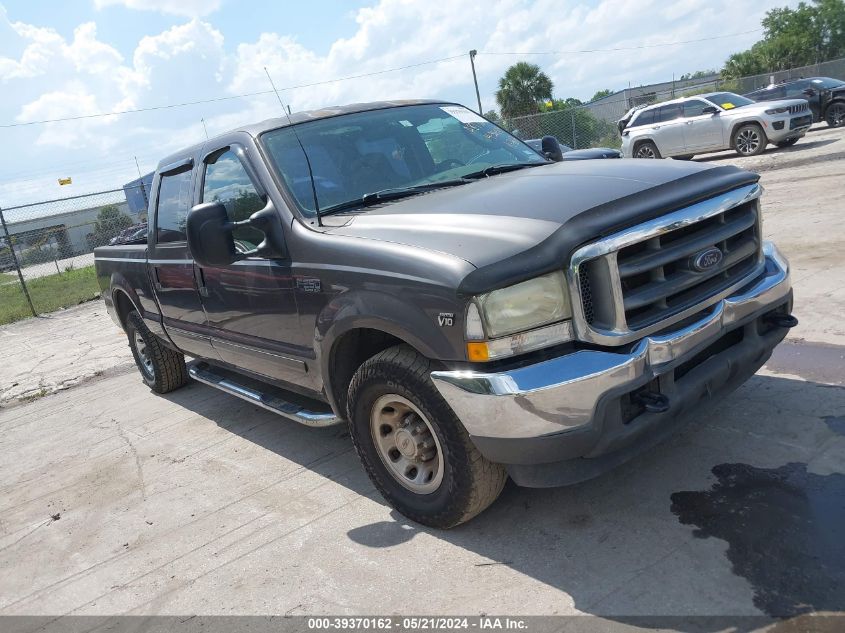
835, 114
750, 140
412, 445
162, 369
647, 149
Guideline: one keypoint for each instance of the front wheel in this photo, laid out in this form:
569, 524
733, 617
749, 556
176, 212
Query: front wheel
835, 114
647, 149
750, 140
162, 369
412, 445
788, 142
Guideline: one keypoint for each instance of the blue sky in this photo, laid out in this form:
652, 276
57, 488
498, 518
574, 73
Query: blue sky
78, 57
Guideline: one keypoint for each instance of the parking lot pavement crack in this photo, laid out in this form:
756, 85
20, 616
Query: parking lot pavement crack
142, 487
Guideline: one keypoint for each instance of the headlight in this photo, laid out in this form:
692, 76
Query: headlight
513, 317
777, 111
525, 305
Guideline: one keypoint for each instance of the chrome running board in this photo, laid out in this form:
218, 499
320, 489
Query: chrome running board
201, 372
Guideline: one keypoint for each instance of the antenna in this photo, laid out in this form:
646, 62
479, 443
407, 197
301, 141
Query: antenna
301, 146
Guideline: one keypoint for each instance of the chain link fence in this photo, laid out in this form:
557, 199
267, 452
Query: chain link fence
594, 124
47, 248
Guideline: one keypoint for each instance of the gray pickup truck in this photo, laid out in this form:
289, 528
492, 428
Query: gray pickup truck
471, 309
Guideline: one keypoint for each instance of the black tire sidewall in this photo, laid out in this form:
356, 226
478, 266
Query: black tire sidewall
445, 505
135, 324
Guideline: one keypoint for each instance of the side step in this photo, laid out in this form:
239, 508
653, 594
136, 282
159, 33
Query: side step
204, 373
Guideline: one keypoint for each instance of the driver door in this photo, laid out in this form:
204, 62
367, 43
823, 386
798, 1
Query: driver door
250, 304
702, 131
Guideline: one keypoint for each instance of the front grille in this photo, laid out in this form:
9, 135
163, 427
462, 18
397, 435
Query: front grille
650, 276
657, 276
800, 121
795, 109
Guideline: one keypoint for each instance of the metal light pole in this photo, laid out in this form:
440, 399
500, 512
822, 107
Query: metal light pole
472, 55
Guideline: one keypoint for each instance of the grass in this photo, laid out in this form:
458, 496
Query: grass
48, 293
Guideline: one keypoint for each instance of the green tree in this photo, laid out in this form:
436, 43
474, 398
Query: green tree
493, 116
110, 221
601, 94
522, 90
807, 34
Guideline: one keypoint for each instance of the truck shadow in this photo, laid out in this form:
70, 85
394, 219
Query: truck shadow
737, 514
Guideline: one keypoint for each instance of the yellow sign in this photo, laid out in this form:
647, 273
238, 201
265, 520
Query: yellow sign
65, 181
728, 106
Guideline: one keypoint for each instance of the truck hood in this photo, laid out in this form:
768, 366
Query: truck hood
497, 217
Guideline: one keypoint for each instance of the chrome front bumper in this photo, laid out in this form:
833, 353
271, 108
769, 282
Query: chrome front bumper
560, 397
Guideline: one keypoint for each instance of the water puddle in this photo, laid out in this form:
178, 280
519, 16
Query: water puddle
785, 530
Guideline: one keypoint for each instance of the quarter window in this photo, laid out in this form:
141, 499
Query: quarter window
174, 200
646, 117
227, 181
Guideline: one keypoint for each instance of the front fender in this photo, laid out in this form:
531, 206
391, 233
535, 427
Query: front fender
423, 324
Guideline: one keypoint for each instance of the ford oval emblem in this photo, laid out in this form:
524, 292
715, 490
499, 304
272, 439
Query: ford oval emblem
706, 259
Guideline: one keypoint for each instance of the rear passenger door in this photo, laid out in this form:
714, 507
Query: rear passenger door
171, 266
668, 130
250, 304
702, 131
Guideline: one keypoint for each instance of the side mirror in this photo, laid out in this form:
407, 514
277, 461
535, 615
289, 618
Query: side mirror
710, 110
551, 148
809, 92
210, 235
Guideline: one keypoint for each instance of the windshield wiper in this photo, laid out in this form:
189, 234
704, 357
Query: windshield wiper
395, 193
492, 170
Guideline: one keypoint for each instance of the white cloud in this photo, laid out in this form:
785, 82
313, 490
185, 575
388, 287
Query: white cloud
189, 8
45, 75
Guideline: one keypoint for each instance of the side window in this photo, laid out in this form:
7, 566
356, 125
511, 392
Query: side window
668, 113
796, 90
227, 181
777, 92
694, 108
174, 201
645, 117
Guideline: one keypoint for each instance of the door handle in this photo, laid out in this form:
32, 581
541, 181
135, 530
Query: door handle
656, 127
690, 122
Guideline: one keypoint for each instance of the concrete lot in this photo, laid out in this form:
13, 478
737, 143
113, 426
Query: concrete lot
115, 500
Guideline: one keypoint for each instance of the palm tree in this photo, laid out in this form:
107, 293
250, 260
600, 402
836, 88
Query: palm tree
522, 88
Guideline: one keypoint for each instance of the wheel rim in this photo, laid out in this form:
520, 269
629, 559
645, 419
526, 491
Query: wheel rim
144, 356
407, 444
836, 115
646, 151
747, 141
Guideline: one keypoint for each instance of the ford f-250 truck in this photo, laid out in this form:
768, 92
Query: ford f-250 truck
472, 310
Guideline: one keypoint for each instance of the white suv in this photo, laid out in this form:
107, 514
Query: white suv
710, 123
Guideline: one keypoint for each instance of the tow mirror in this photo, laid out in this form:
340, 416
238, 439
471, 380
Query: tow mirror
210, 238
210, 235
710, 110
551, 148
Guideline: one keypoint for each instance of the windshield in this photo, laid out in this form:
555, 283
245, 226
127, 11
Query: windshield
828, 82
394, 148
728, 100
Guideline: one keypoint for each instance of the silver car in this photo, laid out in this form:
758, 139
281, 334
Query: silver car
712, 122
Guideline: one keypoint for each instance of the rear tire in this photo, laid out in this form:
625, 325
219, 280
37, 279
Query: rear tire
162, 369
412, 445
835, 114
750, 140
647, 149
788, 142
